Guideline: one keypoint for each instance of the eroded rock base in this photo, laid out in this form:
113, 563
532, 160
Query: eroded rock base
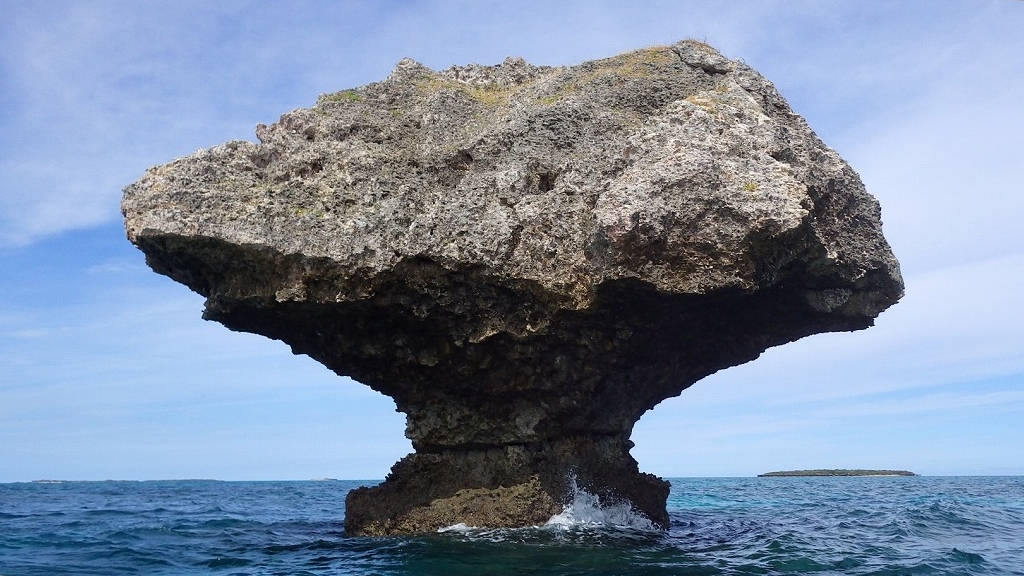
502, 487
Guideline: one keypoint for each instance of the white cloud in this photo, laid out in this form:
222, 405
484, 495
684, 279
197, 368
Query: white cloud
90, 379
944, 365
949, 402
98, 92
949, 328
951, 177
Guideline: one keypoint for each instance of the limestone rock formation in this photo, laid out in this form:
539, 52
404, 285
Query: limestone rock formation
526, 259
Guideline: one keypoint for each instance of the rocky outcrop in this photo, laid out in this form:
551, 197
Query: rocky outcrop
526, 259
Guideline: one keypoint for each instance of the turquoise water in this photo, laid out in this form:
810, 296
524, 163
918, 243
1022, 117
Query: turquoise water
881, 526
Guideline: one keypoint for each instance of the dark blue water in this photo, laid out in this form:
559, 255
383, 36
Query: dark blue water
881, 526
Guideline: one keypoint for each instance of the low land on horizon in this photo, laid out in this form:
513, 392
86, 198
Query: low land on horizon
838, 472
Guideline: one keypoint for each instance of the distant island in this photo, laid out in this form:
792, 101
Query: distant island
838, 473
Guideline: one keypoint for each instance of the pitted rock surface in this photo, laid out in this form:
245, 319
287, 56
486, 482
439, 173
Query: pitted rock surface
525, 258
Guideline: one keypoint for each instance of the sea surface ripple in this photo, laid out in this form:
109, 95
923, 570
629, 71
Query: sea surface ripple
775, 526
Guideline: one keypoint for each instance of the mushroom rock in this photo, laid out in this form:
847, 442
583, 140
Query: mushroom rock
526, 259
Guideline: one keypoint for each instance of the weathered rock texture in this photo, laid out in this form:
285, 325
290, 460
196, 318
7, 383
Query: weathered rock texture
526, 259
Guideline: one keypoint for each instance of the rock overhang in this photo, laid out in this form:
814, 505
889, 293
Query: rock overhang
527, 256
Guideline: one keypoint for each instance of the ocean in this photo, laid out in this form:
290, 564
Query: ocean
763, 526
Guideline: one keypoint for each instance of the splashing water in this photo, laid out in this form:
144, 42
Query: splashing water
586, 509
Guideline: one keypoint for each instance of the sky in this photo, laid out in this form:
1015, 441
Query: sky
107, 370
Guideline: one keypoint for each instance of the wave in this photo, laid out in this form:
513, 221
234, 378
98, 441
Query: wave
584, 510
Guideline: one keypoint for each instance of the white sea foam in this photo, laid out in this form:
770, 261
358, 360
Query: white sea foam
587, 510
460, 527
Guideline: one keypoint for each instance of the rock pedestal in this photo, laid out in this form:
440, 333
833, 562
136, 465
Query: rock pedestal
526, 259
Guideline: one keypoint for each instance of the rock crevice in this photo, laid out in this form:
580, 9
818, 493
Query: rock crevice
526, 259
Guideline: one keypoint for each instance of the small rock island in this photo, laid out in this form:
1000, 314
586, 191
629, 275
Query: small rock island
526, 259
836, 472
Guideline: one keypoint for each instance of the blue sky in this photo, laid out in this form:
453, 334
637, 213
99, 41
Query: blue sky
107, 370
